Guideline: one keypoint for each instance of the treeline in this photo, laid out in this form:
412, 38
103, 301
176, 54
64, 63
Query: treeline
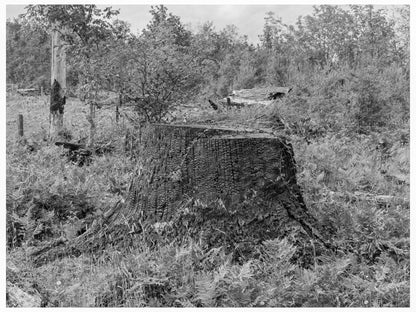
347, 65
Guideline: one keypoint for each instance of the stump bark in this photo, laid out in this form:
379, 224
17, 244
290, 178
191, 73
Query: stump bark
206, 163
218, 185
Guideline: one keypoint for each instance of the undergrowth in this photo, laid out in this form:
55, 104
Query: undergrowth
349, 180
186, 276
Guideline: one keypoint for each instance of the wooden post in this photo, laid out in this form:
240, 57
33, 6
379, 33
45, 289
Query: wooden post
41, 91
58, 83
118, 104
20, 125
91, 118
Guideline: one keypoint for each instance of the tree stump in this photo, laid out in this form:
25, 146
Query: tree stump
206, 163
220, 186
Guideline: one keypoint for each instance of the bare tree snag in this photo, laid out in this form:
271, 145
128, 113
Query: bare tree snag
58, 83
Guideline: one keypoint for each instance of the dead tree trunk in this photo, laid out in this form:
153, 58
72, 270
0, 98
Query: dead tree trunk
215, 185
58, 83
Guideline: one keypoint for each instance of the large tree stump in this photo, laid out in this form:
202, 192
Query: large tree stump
216, 185
206, 163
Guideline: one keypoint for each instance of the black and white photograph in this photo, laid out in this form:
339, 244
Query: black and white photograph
207, 155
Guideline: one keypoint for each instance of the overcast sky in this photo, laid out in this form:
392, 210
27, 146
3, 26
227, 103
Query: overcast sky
249, 19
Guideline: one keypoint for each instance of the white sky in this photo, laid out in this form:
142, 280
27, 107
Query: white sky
249, 18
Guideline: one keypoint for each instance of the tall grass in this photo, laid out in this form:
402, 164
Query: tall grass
342, 177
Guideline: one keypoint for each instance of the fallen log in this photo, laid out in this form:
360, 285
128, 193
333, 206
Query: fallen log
255, 96
379, 198
70, 146
77, 153
268, 93
213, 105
228, 103
30, 91
80, 154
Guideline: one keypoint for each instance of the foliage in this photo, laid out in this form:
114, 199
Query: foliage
27, 55
52, 197
347, 117
360, 53
160, 72
162, 21
187, 277
340, 174
77, 22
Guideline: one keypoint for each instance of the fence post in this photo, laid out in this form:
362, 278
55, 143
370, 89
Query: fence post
118, 104
20, 125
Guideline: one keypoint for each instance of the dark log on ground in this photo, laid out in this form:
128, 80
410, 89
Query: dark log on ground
70, 146
269, 93
217, 185
80, 154
213, 105
98, 149
77, 153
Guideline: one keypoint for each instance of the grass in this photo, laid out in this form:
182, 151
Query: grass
342, 177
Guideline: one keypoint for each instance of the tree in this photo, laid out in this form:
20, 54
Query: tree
219, 55
272, 30
162, 20
375, 34
83, 28
27, 54
401, 17
159, 68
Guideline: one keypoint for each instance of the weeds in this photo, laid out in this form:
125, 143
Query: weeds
346, 180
